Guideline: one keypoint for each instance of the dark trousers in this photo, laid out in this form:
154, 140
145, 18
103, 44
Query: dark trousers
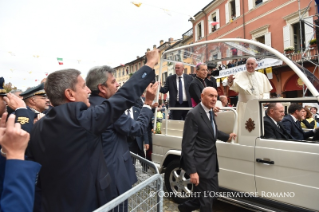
204, 196
133, 146
179, 114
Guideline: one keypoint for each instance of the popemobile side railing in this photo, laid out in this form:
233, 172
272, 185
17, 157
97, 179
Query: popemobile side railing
146, 193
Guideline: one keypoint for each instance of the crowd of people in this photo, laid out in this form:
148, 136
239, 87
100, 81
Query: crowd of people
73, 137
78, 144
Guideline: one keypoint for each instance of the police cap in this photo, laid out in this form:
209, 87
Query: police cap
37, 90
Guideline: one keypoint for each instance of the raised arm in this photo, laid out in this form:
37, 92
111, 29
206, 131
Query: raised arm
98, 118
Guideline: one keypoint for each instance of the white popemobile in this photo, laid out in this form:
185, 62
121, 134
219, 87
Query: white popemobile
268, 174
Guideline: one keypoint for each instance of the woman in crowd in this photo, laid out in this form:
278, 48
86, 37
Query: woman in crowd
307, 122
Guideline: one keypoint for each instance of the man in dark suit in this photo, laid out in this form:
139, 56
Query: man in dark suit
199, 153
115, 139
138, 142
67, 141
292, 124
272, 126
178, 87
199, 83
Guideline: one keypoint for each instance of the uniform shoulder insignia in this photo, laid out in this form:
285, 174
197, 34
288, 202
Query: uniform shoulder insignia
23, 120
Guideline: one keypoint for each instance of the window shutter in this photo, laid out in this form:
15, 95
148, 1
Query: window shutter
250, 4
237, 2
286, 30
268, 39
196, 33
308, 30
227, 12
217, 19
202, 28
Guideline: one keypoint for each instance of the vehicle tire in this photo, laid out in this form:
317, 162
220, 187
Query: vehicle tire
177, 182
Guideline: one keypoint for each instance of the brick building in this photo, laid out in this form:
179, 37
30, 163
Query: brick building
273, 22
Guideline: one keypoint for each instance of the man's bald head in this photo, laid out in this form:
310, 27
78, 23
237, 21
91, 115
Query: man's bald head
209, 97
179, 68
276, 111
224, 100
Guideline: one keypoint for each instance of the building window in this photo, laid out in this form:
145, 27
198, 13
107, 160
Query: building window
199, 29
232, 10
139, 65
213, 21
261, 39
213, 18
123, 72
293, 29
185, 70
262, 35
136, 67
255, 3
297, 40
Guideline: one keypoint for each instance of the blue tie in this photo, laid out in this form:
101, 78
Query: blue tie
180, 91
212, 122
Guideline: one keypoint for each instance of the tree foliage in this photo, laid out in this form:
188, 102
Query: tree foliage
9, 87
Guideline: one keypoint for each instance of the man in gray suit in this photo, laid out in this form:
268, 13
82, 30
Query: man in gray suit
199, 153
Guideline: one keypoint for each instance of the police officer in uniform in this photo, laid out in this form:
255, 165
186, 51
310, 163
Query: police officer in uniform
36, 100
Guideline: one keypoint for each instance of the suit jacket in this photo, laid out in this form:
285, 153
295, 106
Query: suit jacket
142, 139
17, 184
295, 129
67, 143
272, 131
116, 150
18, 177
199, 153
171, 87
196, 87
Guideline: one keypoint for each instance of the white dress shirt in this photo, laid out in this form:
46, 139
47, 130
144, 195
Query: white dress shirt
183, 85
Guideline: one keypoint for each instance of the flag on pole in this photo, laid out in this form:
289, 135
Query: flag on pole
269, 72
213, 23
138, 4
261, 70
218, 82
60, 60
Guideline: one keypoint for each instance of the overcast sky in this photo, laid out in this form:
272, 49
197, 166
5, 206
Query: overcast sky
33, 33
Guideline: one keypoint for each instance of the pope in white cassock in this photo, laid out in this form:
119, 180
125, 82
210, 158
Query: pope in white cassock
249, 85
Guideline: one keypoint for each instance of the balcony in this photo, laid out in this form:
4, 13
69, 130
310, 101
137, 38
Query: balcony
187, 34
311, 55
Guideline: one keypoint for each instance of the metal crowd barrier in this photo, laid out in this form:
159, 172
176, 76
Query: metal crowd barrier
145, 193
